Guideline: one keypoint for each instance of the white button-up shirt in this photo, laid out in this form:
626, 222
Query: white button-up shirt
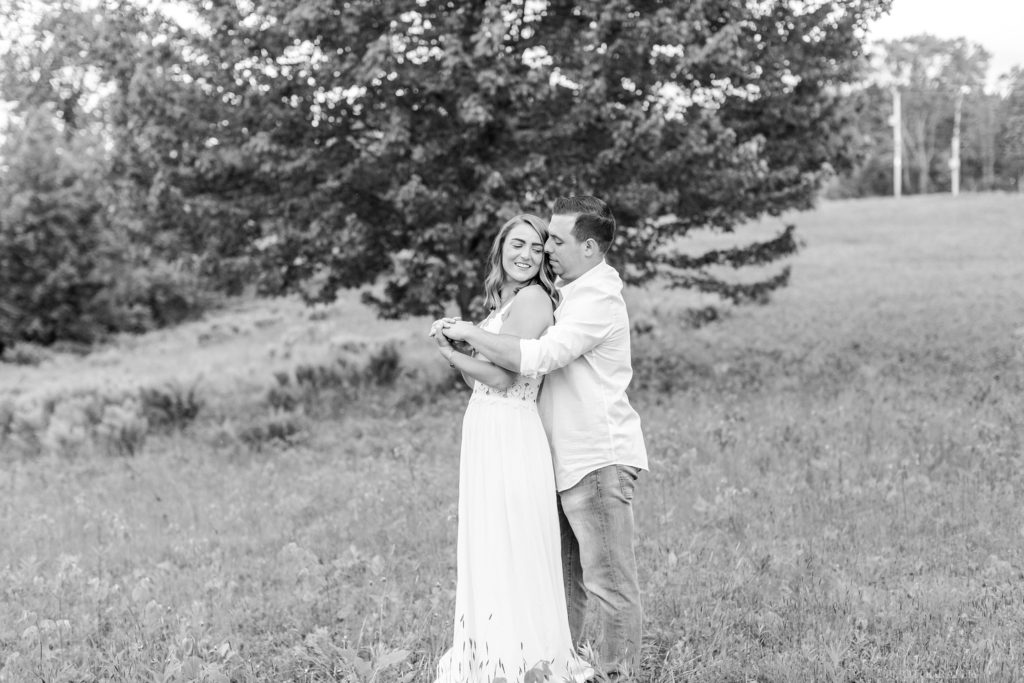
586, 358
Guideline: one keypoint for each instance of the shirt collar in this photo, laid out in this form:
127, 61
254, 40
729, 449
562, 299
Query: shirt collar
596, 271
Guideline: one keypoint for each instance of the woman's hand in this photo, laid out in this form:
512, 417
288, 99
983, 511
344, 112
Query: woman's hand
444, 345
438, 325
457, 329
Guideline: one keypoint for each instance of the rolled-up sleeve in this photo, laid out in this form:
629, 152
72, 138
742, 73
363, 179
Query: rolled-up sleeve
581, 326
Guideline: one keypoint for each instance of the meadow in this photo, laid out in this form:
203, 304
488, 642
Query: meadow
834, 491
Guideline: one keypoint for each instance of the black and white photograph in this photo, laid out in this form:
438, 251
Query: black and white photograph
511, 341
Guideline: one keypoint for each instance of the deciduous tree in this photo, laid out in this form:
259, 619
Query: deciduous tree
932, 71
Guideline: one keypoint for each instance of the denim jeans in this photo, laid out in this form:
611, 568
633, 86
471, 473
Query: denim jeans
596, 518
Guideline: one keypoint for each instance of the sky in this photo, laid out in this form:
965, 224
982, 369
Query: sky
997, 25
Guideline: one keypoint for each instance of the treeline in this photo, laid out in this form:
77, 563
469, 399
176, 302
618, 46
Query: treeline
79, 258
152, 162
932, 78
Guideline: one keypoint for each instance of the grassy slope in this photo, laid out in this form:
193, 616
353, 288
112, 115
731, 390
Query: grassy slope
833, 496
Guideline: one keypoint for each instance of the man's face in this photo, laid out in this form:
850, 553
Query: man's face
565, 252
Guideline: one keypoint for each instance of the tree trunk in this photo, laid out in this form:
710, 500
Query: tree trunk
923, 158
923, 170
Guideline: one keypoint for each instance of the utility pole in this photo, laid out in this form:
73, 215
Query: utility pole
897, 143
954, 157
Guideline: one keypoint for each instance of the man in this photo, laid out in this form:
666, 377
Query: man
596, 439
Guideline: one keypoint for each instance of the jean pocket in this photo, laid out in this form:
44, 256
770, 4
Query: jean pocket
627, 480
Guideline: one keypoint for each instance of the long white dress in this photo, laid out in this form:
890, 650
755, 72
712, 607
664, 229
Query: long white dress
510, 614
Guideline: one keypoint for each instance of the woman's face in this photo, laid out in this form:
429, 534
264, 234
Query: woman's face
522, 253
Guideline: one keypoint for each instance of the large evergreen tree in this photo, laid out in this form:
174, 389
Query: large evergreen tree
341, 142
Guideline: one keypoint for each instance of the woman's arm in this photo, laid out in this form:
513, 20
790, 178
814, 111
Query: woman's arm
446, 348
528, 318
530, 314
472, 369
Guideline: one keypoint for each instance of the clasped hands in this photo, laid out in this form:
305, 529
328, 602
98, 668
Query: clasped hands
450, 333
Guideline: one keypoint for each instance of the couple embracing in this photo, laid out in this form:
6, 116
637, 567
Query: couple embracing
546, 477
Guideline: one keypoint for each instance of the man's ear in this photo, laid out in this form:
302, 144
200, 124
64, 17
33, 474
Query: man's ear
591, 246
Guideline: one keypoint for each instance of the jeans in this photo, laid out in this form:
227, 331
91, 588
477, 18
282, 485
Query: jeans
596, 519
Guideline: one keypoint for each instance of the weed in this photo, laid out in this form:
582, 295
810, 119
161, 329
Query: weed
172, 406
384, 365
283, 427
25, 354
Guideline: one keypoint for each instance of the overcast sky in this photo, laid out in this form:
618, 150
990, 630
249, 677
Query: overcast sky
997, 25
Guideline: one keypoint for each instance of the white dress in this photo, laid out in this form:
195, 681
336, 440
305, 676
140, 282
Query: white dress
510, 613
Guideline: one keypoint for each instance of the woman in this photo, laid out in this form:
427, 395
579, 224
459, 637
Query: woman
510, 613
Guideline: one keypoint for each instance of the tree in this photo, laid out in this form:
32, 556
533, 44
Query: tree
932, 71
870, 108
344, 142
87, 232
1011, 135
53, 256
981, 129
112, 70
362, 139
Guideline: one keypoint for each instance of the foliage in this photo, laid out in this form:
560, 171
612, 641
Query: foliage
1011, 136
173, 406
68, 269
283, 427
76, 424
935, 71
55, 257
452, 117
930, 74
870, 107
91, 241
25, 354
338, 144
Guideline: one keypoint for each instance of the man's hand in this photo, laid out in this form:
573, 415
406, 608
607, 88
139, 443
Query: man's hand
458, 330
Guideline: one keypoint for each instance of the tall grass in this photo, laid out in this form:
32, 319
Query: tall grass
834, 494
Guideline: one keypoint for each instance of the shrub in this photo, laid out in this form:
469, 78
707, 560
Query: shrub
159, 294
25, 354
6, 418
74, 424
384, 365
278, 426
171, 407
123, 429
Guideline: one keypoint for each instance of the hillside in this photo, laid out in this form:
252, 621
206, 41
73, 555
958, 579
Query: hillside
877, 272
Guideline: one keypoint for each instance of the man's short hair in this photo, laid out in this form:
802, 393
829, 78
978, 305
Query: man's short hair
594, 220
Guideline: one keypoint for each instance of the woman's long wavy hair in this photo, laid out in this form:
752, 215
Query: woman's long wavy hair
496, 274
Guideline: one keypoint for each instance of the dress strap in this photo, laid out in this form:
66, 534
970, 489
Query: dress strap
508, 304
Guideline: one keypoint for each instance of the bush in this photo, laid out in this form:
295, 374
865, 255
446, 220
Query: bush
171, 407
24, 354
75, 424
280, 427
159, 294
384, 365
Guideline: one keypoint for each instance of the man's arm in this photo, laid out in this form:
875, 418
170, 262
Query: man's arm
584, 324
500, 349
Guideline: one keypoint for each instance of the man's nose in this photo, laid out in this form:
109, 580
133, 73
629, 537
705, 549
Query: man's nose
549, 246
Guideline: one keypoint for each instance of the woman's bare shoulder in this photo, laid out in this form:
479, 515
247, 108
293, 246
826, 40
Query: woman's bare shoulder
533, 294
533, 298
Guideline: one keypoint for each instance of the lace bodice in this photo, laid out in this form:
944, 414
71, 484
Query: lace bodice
525, 389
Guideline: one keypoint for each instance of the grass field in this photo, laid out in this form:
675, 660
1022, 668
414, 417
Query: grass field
834, 491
